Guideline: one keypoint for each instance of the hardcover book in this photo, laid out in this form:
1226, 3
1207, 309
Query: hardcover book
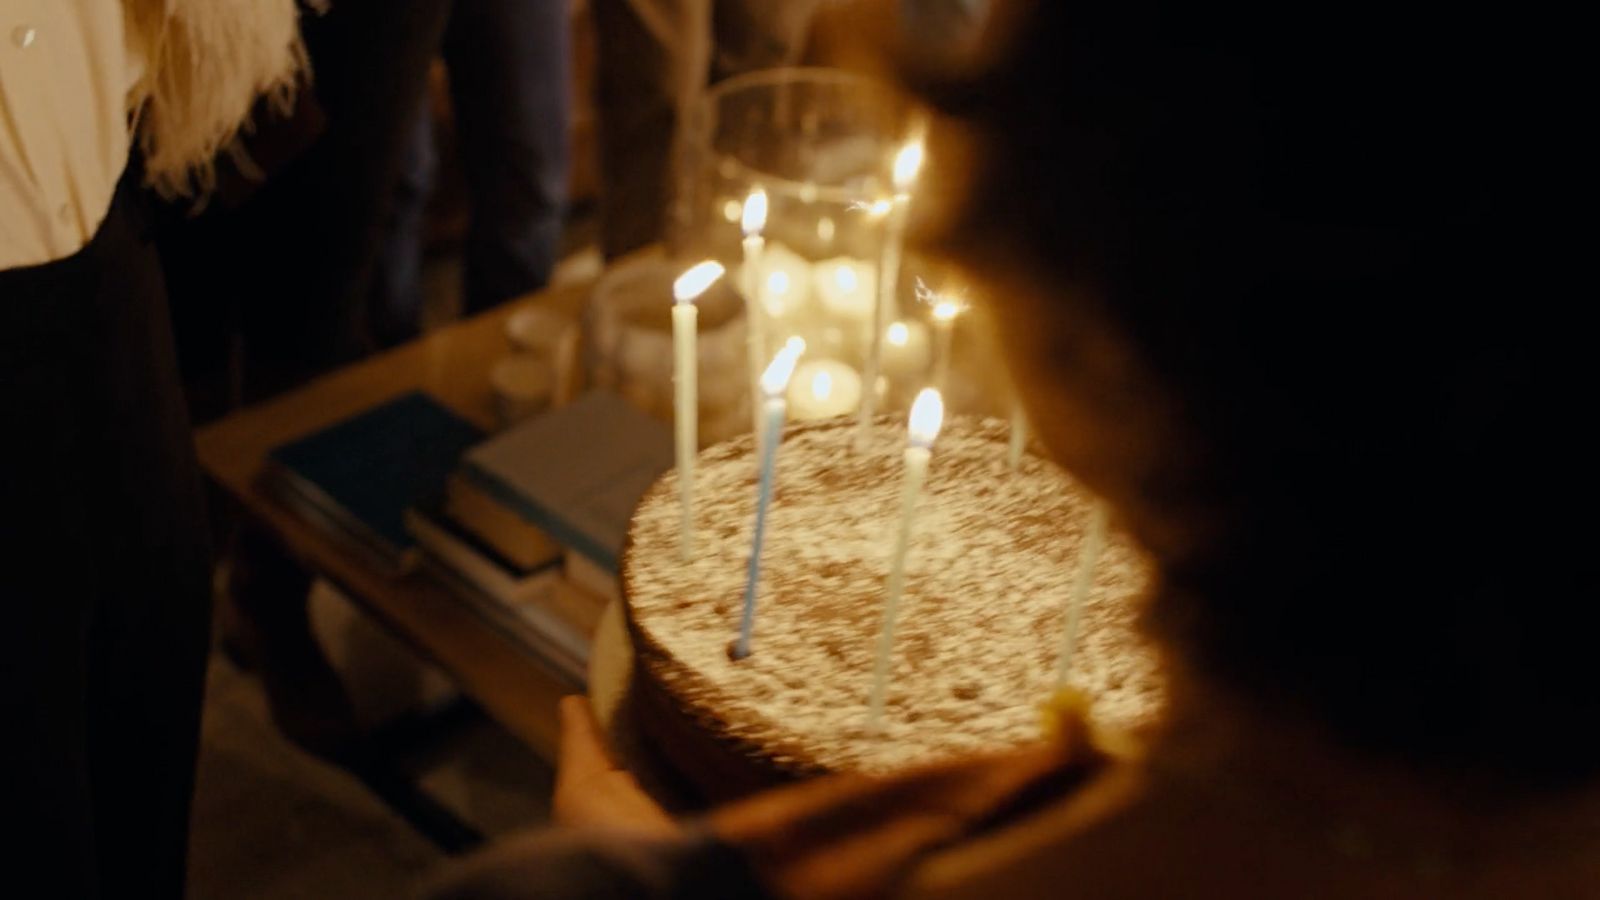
576, 473
357, 478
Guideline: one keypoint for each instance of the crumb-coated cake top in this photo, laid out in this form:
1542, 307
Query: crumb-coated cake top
991, 563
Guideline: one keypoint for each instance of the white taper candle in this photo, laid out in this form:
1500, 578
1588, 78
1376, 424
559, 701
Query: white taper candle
927, 414
685, 368
1088, 560
752, 221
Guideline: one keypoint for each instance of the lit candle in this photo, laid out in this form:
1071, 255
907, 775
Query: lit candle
945, 312
927, 414
822, 389
846, 289
1088, 559
685, 322
905, 349
1019, 436
753, 218
774, 382
906, 165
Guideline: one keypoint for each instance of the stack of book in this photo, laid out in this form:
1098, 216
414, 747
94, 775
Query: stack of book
526, 527
355, 479
551, 495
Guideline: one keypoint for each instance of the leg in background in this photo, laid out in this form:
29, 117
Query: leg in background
654, 59
759, 34
510, 65
311, 235
296, 259
396, 307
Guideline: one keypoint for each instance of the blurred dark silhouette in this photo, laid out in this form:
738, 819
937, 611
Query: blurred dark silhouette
1277, 284
655, 59
268, 287
510, 73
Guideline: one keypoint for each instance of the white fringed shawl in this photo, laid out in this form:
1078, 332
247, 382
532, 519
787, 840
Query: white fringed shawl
206, 63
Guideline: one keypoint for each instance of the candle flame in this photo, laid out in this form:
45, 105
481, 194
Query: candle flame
696, 280
927, 414
906, 165
898, 334
755, 213
775, 380
945, 310
822, 386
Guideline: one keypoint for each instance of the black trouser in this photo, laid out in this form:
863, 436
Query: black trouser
104, 586
511, 90
285, 276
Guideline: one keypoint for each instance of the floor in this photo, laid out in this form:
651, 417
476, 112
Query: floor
273, 823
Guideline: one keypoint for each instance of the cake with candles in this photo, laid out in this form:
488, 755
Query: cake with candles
989, 568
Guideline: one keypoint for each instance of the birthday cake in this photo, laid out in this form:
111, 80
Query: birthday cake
990, 567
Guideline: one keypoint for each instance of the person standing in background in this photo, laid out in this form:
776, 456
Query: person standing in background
297, 252
106, 569
510, 65
655, 59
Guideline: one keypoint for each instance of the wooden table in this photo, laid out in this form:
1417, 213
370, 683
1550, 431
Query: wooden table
453, 365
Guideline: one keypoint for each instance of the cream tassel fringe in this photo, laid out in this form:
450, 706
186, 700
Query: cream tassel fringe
207, 61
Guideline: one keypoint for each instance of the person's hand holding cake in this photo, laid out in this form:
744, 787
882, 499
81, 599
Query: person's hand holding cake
591, 789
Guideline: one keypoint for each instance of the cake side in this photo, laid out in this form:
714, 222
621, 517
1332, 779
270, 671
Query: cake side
675, 706
991, 563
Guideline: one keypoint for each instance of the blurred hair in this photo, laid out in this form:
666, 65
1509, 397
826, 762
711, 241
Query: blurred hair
1283, 270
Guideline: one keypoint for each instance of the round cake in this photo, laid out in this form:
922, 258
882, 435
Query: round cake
991, 564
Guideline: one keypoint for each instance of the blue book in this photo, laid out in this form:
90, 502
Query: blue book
357, 478
578, 472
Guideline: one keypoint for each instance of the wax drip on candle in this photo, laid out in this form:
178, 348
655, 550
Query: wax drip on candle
774, 382
927, 415
686, 412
